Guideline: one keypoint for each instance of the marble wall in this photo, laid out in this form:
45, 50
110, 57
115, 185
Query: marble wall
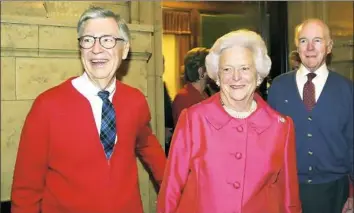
39, 50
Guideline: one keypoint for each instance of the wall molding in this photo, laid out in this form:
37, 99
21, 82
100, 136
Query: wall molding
63, 22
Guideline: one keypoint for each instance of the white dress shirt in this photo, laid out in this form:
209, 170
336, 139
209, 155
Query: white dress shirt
90, 91
319, 81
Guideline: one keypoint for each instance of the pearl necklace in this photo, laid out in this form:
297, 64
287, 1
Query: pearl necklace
240, 115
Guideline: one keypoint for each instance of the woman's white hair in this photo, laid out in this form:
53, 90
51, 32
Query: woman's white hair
242, 38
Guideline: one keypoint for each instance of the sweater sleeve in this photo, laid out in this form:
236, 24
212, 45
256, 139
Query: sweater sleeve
31, 163
350, 140
148, 147
177, 168
288, 174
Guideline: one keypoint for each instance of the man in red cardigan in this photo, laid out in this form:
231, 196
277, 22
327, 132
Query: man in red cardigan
78, 148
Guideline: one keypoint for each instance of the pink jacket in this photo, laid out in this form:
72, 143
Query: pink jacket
219, 164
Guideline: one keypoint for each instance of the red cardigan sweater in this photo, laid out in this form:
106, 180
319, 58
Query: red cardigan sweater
61, 166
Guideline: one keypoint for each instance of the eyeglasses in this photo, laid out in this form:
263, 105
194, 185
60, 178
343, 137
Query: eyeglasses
106, 41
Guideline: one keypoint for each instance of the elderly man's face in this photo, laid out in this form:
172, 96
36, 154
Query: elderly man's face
100, 63
313, 45
237, 73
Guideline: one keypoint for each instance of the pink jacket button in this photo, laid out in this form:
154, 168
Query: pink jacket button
238, 155
237, 185
240, 129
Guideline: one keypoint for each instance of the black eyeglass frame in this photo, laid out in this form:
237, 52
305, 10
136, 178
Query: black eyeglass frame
99, 40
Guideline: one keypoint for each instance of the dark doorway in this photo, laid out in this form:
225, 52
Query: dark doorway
6, 207
275, 31
278, 28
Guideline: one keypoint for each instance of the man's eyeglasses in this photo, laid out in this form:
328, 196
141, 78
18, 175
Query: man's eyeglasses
106, 41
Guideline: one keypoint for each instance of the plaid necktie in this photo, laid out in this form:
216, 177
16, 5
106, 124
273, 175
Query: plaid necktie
309, 92
108, 124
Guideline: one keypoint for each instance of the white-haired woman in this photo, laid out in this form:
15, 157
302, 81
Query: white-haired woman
232, 152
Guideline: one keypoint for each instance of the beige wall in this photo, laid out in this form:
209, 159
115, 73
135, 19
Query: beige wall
39, 50
339, 17
172, 72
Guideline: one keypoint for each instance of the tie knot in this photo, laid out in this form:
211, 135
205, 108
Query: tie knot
311, 76
103, 95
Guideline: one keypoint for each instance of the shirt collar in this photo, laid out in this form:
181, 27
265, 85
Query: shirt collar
93, 89
259, 120
321, 71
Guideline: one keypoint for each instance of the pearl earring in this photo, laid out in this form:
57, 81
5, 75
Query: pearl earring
217, 82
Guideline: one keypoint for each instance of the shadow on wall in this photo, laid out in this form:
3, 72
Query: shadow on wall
123, 69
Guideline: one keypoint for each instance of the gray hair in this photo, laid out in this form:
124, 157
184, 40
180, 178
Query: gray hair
243, 38
98, 12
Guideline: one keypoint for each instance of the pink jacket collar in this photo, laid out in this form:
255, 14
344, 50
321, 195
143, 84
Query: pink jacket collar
260, 120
